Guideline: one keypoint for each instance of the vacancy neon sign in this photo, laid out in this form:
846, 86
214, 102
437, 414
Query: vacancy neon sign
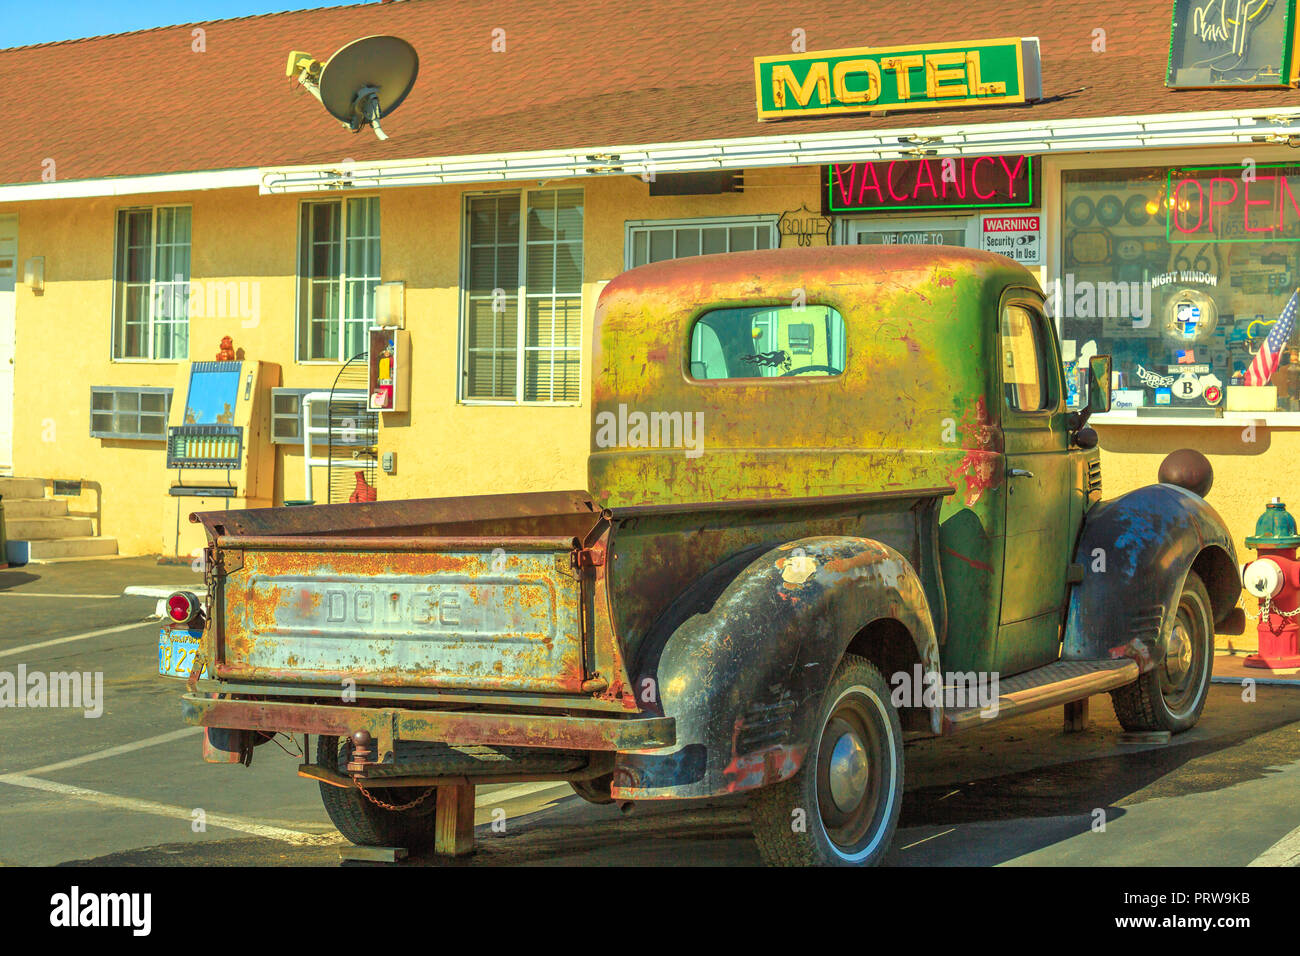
1233, 204
913, 184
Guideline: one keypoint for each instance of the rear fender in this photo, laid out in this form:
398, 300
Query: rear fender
742, 660
1136, 551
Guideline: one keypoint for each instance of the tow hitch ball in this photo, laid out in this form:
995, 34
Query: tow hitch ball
363, 749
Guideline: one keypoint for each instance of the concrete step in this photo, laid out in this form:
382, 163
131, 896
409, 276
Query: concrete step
22, 552
43, 529
16, 508
22, 488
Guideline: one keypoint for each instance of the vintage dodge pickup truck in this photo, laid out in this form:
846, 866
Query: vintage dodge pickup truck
836, 500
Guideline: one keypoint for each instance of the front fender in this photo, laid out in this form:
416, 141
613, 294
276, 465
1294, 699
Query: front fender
742, 660
1136, 551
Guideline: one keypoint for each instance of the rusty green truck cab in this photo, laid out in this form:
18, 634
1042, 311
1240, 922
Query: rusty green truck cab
815, 476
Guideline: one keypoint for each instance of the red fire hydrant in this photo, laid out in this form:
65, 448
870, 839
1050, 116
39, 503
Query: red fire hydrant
1274, 578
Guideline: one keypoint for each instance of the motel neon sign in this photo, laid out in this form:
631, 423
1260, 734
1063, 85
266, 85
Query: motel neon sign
919, 77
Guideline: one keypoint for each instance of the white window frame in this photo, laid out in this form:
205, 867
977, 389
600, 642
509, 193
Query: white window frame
633, 226
299, 345
154, 284
522, 296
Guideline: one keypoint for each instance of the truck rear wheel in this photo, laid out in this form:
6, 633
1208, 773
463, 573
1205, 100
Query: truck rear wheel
841, 808
364, 822
1172, 696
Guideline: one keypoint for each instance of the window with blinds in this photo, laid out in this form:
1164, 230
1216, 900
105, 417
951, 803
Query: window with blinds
151, 317
523, 297
338, 269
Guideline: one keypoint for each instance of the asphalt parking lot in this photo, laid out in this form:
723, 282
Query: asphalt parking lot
128, 787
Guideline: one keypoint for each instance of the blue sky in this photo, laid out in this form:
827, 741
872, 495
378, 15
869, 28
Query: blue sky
43, 21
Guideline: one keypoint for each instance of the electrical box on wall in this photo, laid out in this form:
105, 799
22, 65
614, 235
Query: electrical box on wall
390, 371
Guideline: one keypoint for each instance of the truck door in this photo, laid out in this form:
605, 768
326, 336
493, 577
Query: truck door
1037, 476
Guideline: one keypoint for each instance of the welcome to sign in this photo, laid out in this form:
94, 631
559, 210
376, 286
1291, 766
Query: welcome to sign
929, 76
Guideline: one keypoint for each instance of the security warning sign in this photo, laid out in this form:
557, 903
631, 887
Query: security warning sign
1016, 237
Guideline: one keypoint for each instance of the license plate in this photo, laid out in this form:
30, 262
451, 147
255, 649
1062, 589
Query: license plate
177, 650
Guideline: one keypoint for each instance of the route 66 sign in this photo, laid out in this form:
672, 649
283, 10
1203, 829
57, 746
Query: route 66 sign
803, 227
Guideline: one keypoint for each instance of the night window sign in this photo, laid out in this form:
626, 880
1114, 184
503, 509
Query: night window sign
1229, 204
918, 77
903, 185
1230, 43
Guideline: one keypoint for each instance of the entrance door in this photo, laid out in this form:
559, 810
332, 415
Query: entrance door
1037, 476
946, 231
8, 282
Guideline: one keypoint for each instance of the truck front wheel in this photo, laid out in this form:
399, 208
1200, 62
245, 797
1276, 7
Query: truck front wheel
364, 822
841, 808
1172, 696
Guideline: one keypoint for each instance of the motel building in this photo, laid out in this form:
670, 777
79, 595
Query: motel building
214, 295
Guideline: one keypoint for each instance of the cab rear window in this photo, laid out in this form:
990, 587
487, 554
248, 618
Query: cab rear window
767, 342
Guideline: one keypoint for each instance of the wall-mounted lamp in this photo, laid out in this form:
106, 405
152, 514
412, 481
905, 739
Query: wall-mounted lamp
34, 274
390, 305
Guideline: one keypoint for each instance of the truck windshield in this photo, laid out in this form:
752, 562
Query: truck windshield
768, 342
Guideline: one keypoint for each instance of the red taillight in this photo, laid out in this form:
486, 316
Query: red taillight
182, 607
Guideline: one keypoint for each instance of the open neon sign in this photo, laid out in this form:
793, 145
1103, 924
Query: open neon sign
1233, 204
914, 184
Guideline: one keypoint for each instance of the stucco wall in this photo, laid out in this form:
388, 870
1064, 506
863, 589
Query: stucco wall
1250, 466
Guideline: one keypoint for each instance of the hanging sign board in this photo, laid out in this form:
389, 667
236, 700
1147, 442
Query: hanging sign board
1232, 44
915, 77
1017, 237
911, 185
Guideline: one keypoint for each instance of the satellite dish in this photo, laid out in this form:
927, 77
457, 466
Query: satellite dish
363, 82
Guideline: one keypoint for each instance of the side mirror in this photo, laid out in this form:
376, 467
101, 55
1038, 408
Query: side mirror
1099, 383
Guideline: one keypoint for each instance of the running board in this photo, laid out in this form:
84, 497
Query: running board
1057, 683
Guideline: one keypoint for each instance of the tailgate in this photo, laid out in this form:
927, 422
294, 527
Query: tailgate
487, 613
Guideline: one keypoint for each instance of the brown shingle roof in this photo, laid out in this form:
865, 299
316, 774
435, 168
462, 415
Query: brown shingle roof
601, 73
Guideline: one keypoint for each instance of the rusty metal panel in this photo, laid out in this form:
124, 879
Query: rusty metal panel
569, 513
548, 731
487, 619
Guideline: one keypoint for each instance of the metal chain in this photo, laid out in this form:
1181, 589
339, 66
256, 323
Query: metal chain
394, 806
1266, 609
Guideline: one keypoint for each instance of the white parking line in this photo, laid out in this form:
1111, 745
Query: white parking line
75, 637
226, 822
934, 836
498, 797
79, 597
1285, 852
109, 752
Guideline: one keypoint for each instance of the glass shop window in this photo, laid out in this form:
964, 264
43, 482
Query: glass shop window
767, 342
1182, 275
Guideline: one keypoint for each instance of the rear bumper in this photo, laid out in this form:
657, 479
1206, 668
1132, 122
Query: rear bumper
390, 724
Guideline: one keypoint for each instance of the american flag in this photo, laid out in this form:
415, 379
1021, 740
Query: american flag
1266, 360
